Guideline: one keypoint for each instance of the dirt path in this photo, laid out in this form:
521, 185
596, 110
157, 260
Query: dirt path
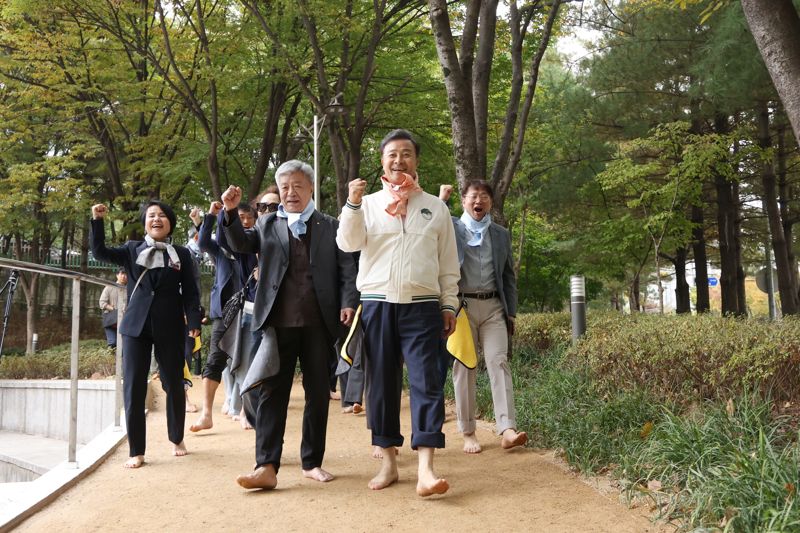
496, 490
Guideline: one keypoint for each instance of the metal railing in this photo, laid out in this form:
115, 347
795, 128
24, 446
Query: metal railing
77, 278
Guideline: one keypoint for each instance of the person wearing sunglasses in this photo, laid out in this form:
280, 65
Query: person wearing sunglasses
268, 201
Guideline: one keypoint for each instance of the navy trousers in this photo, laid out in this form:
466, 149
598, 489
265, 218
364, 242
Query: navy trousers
135, 367
394, 333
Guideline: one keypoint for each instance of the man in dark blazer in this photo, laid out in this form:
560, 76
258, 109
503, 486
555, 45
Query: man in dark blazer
488, 287
306, 292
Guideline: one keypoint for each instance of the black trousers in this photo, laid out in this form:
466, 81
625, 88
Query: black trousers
217, 359
314, 347
394, 333
135, 367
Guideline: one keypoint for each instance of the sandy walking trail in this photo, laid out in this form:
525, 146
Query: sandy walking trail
496, 490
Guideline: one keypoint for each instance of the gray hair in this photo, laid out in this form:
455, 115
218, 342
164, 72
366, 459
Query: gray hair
292, 166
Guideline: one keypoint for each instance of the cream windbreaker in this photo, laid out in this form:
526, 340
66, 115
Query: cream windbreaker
402, 260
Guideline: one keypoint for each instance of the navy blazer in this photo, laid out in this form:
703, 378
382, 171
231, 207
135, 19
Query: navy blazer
164, 295
504, 278
225, 270
333, 271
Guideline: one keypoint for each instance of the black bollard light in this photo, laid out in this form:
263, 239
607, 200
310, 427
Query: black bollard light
578, 306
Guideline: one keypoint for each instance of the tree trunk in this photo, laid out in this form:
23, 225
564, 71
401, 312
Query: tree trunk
789, 304
726, 228
459, 96
682, 299
775, 25
741, 294
703, 304
785, 194
635, 302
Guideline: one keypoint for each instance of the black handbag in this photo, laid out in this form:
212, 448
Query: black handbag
235, 304
110, 319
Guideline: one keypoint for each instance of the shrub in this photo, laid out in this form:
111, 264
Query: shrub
542, 331
685, 358
54, 363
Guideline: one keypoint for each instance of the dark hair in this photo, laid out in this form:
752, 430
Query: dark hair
395, 135
164, 207
481, 185
121, 270
247, 208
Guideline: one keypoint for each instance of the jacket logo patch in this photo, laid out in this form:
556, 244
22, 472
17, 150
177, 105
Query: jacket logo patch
426, 213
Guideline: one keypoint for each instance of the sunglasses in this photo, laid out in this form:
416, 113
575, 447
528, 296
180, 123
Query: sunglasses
263, 207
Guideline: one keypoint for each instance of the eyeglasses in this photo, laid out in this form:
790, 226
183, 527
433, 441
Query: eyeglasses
482, 196
263, 207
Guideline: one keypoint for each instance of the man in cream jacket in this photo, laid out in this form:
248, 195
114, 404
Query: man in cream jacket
408, 279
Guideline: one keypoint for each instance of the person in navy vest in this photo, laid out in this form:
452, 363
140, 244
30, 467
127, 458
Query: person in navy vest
163, 298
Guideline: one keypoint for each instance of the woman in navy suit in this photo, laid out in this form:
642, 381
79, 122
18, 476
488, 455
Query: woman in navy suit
162, 291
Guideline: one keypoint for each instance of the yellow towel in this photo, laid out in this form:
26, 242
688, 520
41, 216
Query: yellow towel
354, 327
197, 344
461, 344
187, 377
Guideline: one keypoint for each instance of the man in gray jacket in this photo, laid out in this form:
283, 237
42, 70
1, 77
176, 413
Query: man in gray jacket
488, 288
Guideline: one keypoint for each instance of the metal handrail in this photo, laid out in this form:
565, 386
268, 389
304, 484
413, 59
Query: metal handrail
77, 278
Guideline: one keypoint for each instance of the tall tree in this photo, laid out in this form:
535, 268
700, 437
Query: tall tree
467, 68
775, 25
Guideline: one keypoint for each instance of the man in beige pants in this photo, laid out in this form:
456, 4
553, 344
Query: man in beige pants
488, 286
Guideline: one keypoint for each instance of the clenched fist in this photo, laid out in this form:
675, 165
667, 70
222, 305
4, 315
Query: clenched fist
99, 211
356, 191
215, 208
231, 198
445, 191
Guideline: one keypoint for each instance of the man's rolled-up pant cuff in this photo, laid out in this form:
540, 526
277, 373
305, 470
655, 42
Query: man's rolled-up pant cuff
433, 439
387, 442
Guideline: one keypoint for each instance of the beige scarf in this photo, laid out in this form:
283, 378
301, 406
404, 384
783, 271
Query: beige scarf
400, 194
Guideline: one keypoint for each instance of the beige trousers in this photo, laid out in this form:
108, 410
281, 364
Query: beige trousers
488, 324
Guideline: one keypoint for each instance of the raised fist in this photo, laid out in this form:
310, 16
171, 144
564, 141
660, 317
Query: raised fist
215, 208
194, 214
231, 197
99, 211
445, 190
356, 191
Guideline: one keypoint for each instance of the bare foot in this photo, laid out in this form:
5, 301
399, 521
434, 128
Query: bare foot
512, 439
243, 421
134, 462
225, 407
179, 450
190, 407
263, 477
335, 395
357, 408
377, 452
204, 422
471, 444
347, 409
318, 474
387, 475
430, 487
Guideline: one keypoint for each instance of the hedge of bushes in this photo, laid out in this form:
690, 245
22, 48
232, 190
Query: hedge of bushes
688, 411
677, 358
54, 363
